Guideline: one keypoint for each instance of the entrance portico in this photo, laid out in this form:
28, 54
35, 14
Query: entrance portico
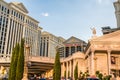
103, 54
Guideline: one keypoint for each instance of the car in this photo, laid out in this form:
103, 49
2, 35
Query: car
93, 79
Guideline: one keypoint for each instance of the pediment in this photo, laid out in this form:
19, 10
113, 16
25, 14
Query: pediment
114, 36
20, 6
72, 40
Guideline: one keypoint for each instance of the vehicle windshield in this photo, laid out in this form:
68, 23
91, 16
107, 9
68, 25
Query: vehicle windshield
92, 79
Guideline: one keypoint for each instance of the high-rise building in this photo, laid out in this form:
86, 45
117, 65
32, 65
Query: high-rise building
107, 29
49, 43
15, 23
117, 12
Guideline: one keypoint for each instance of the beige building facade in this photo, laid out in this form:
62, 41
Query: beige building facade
68, 64
15, 24
49, 43
103, 54
73, 45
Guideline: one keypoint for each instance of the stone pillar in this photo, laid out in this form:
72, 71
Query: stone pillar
26, 55
67, 70
92, 64
109, 61
74, 64
63, 69
70, 68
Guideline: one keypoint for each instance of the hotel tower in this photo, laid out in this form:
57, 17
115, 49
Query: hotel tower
117, 12
15, 24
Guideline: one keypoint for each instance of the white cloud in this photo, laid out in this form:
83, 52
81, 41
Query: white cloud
104, 1
99, 1
45, 14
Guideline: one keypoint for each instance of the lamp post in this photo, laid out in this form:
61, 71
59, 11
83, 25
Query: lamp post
26, 56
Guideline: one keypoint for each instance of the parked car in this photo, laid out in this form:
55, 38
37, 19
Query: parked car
93, 79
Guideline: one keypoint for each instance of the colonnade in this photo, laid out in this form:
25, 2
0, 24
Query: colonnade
93, 58
67, 68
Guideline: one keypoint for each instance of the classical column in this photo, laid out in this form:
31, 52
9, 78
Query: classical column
92, 63
70, 68
67, 70
74, 64
63, 69
109, 61
26, 55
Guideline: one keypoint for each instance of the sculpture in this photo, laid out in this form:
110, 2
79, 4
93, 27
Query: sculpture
93, 31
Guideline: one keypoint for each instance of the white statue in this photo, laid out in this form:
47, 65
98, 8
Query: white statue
93, 31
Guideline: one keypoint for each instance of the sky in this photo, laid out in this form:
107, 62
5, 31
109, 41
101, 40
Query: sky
68, 18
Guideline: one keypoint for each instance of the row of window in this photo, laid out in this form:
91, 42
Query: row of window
56, 39
31, 23
2, 44
4, 9
3, 31
29, 33
14, 36
13, 12
17, 14
44, 47
45, 38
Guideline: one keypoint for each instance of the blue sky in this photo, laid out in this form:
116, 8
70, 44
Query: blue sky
68, 18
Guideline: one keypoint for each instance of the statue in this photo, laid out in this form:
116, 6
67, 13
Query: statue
93, 31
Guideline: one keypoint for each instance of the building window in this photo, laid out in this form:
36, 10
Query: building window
16, 14
8, 11
5, 10
12, 12
2, 8
67, 52
79, 48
